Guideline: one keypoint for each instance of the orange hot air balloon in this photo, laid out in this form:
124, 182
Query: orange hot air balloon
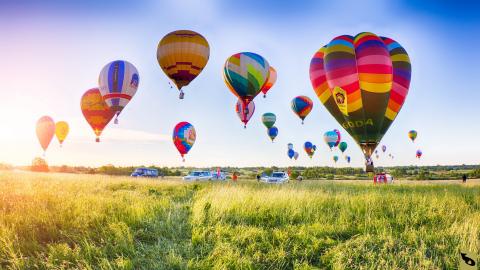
272, 78
61, 131
45, 131
96, 111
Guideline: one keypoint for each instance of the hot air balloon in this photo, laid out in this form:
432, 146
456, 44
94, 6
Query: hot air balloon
245, 74
290, 153
419, 153
348, 159
412, 134
290, 146
376, 152
384, 148
243, 114
61, 131
182, 55
335, 158
272, 78
342, 146
96, 111
295, 155
331, 138
309, 149
301, 106
45, 130
268, 119
184, 137
339, 137
363, 82
272, 133
118, 83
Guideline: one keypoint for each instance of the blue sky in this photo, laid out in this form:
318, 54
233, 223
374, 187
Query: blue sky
52, 52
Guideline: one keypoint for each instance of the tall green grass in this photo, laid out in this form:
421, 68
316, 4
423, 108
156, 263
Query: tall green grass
62, 221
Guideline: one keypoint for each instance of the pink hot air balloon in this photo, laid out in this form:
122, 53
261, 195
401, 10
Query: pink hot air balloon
45, 131
245, 113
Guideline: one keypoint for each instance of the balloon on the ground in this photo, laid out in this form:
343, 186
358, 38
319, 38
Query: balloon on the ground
272, 133
412, 135
302, 106
363, 82
184, 137
96, 111
342, 146
384, 148
290, 153
290, 146
335, 158
268, 119
331, 138
309, 148
419, 153
295, 155
182, 55
272, 78
45, 130
118, 83
61, 131
244, 113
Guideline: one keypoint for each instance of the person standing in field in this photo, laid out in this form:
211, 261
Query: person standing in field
234, 177
464, 178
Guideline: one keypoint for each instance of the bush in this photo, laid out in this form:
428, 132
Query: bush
39, 165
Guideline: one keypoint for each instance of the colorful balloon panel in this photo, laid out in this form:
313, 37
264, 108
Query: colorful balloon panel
184, 137
244, 113
182, 55
301, 106
272, 78
45, 130
309, 148
245, 74
412, 135
61, 131
269, 119
272, 133
118, 83
96, 111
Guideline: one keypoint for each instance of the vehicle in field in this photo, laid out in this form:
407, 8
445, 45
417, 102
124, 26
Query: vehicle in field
276, 178
383, 178
144, 172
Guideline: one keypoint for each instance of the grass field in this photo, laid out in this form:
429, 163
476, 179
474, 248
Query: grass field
66, 221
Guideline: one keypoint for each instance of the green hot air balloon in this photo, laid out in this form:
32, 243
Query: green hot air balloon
342, 146
268, 119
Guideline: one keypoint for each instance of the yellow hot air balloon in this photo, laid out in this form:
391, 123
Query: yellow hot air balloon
182, 55
61, 131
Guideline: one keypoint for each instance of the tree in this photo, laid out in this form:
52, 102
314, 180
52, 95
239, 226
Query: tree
39, 165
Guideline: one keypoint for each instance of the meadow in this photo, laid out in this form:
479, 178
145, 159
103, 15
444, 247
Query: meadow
71, 221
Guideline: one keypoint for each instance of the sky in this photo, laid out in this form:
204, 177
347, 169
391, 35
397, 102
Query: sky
52, 51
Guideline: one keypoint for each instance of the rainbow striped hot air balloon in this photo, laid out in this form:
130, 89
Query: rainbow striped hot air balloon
301, 106
184, 137
182, 55
244, 113
412, 135
363, 82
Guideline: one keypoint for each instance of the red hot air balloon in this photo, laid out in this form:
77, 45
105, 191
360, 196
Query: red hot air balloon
96, 111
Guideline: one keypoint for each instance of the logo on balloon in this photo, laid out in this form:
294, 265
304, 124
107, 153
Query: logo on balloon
358, 123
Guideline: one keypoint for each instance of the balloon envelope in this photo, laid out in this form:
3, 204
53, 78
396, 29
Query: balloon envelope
348, 159
272, 133
302, 106
182, 55
363, 82
290, 146
342, 146
268, 119
61, 131
290, 153
184, 136
272, 78
295, 155
331, 138
335, 158
412, 134
244, 113
339, 137
96, 111
45, 130
419, 153
309, 148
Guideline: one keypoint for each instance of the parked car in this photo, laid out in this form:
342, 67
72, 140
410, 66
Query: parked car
276, 178
383, 178
198, 176
221, 176
144, 172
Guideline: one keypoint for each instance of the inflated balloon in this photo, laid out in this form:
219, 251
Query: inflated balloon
45, 130
244, 113
295, 155
309, 149
290, 153
348, 159
339, 137
384, 148
245, 74
363, 82
272, 78
335, 158
331, 138
184, 137
290, 146
376, 156
342, 146
96, 111
182, 55
302, 106
268, 119
118, 83
412, 134
376, 152
61, 131
419, 153
272, 133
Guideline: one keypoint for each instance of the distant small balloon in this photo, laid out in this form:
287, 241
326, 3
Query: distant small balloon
290, 153
301, 106
295, 155
331, 138
272, 133
335, 158
384, 148
61, 131
184, 137
45, 131
419, 154
290, 146
412, 134
342, 146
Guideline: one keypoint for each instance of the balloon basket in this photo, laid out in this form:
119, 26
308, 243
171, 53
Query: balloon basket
181, 95
245, 126
97, 139
115, 121
264, 96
